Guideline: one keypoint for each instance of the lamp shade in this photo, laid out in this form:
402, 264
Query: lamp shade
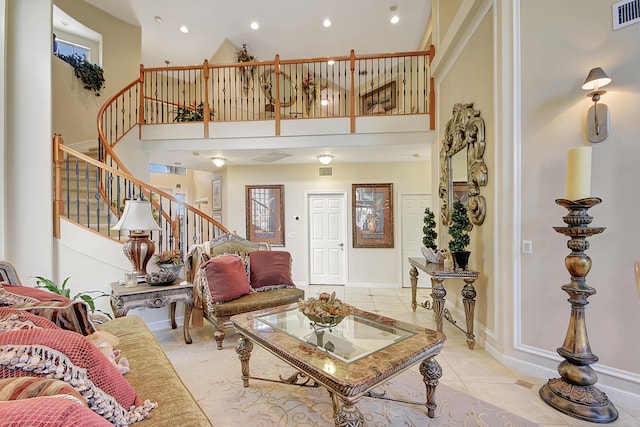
137, 215
596, 79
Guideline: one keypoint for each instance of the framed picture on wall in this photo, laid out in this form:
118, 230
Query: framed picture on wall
379, 100
265, 213
372, 218
216, 194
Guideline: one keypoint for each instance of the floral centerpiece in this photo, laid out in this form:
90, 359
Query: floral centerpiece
326, 310
243, 55
309, 86
168, 258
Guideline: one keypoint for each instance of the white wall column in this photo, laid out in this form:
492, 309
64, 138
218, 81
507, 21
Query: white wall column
28, 234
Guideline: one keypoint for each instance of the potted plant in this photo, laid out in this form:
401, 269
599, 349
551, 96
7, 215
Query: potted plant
169, 261
459, 236
89, 297
429, 236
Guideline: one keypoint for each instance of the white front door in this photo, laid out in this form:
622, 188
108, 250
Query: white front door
412, 211
327, 241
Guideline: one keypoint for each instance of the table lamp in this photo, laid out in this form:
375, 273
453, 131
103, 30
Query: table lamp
138, 219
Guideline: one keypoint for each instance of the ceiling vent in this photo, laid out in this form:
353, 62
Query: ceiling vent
626, 13
325, 171
271, 157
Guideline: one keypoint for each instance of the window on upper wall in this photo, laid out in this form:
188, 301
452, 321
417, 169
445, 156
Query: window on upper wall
158, 168
63, 47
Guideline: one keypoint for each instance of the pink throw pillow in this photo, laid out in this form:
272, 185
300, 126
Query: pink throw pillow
270, 270
226, 277
49, 411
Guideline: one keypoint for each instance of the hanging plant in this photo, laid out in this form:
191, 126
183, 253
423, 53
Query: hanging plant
90, 74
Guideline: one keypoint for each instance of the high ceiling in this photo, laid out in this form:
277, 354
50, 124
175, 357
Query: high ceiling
292, 29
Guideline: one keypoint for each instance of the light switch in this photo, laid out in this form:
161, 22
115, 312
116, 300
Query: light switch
527, 247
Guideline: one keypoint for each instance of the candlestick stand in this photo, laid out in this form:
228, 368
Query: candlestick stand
575, 394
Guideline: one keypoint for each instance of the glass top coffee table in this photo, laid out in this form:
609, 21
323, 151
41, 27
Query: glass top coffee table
349, 359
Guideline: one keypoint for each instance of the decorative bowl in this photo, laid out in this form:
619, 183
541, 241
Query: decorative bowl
327, 321
433, 256
163, 277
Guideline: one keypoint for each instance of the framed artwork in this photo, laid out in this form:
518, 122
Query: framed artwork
265, 213
372, 218
216, 194
460, 192
379, 100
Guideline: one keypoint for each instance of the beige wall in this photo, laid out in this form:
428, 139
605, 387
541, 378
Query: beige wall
75, 109
371, 266
554, 110
469, 79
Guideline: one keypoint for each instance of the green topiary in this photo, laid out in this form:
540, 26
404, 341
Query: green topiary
90, 74
429, 233
458, 229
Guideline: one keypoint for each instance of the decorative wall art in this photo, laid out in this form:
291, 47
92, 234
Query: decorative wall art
379, 100
372, 206
216, 194
265, 214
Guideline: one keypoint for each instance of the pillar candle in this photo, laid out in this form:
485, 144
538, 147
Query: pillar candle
579, 173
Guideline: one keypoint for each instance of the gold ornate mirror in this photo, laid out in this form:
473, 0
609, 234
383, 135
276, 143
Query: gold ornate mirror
287, 89
464, 134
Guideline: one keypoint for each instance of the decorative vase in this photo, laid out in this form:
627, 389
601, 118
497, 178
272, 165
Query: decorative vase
461, 259
171, 267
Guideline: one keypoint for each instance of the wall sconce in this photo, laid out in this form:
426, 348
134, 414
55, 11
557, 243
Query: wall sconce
325, 159
138, 219
598, 115
218, 161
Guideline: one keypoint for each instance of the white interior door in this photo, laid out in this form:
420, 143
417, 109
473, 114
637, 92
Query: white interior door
327, 243
412, 212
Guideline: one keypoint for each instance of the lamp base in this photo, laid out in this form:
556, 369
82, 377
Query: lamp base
583, 402
139, 250
598, 122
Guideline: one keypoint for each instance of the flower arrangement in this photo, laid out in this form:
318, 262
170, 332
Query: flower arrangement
243, 55
309, 86
325, 309
168, 257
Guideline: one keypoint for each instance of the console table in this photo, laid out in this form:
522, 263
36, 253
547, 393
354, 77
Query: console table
438, 275
124, 299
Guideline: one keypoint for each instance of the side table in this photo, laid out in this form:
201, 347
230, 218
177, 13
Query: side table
124, 299
438, 275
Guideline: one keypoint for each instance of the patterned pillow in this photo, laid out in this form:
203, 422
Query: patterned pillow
270, 270
49, 411
16, 294
68, 356
11, 320
223, 278
72, 316
28, 387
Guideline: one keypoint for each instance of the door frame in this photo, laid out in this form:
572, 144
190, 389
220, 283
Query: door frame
347, 243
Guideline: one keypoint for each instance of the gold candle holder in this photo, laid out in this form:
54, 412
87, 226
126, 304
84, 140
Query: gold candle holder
575, 393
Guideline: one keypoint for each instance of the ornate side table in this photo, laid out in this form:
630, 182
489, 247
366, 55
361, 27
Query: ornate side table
438, 275
124, 299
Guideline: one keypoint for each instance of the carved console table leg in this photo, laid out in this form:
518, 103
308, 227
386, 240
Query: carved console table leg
244, 348
431, 373
188, 307
172, 315
348, 416
469, 301
413, 273
438, 293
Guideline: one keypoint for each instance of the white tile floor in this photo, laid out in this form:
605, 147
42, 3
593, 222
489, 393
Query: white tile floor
474, 372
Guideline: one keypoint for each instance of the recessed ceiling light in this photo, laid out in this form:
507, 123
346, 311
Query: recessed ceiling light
184, 29
331, 62
254, 25
327, 23
157, 18
395, 19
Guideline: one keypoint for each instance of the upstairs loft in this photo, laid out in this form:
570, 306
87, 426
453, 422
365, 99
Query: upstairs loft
242, 109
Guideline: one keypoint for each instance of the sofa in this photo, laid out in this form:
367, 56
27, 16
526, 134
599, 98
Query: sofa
52, 376
232, 275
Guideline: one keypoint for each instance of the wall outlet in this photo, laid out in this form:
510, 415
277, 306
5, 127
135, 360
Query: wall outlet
527, 247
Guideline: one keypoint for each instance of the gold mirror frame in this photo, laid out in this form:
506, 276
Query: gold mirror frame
464, 130
267, 86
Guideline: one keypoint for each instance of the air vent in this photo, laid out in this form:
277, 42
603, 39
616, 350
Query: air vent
626, 13
271, 157
325, 171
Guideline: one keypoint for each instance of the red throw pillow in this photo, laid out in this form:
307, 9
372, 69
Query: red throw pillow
16, 294
226, 278
270, 270
49, 411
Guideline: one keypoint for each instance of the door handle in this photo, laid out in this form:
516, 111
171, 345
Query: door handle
341, 246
